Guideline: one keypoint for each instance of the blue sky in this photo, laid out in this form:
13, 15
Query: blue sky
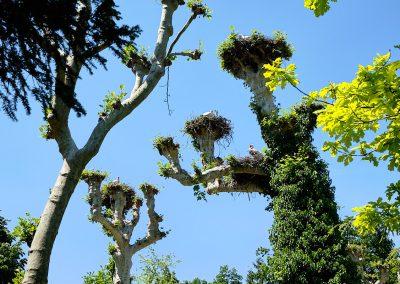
227, 229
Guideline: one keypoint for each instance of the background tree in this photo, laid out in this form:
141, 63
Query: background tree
53, 49
375, 254
260, 274
227, 275
156, 269
26, 229
110, 206
305, 241
103, 276
11, 254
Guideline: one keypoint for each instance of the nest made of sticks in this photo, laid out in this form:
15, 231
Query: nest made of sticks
111, 188
209, 125
240, 53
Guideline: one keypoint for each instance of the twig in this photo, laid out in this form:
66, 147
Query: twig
185, 27
168, 95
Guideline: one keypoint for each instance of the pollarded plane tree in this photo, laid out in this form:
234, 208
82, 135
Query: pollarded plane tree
306, 244
111, 205
52, 41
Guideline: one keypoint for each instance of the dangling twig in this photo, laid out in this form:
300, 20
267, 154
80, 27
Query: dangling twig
170, 111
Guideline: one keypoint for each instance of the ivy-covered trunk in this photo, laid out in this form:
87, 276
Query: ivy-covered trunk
50, 220
307, 245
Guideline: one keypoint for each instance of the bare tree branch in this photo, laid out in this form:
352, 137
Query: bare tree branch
195, 55
96, 49
96, 211
185, 27
141, 90
153, 231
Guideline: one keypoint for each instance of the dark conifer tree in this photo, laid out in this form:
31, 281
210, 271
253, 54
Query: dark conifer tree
37, 38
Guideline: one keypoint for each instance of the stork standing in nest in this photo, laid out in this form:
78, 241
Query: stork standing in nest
255, 153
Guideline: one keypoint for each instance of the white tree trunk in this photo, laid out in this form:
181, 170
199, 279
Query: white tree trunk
123, 265
50, 220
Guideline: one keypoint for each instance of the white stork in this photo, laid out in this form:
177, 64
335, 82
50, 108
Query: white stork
255, 153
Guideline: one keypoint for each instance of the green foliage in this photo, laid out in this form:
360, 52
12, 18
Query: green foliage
46, 131
376, 251
112, 187
130, 51
198, 193
261, 273
278, 76
103, 276
195, 281
227, 275
115, 187
19, 277
11, 255
94, 174
148, 188
26, 229
252, 52
165, 144
198, 8
380, 212
112, 101
112, 248
363, 118
156, 269
369, 103
304, 244
163, 169
319, 7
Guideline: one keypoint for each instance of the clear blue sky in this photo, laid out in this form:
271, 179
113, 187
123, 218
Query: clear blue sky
227, 229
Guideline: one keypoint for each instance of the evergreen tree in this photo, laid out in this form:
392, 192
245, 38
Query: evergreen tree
38, 36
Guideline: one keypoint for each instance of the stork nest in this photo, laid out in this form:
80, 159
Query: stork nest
246, 179
240, 53
165, 144
111, 188
210, 125
247, 162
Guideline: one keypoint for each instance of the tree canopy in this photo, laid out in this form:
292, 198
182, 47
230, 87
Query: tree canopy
11, 254
36, 38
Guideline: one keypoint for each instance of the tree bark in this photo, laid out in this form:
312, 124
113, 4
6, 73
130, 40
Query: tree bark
123, 265
50, 220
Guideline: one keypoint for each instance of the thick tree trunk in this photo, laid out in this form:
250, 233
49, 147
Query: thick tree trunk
40, 250
123, 265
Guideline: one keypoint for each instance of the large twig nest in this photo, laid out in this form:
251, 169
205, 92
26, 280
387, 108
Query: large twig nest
209, 126
112, 188
240, 54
